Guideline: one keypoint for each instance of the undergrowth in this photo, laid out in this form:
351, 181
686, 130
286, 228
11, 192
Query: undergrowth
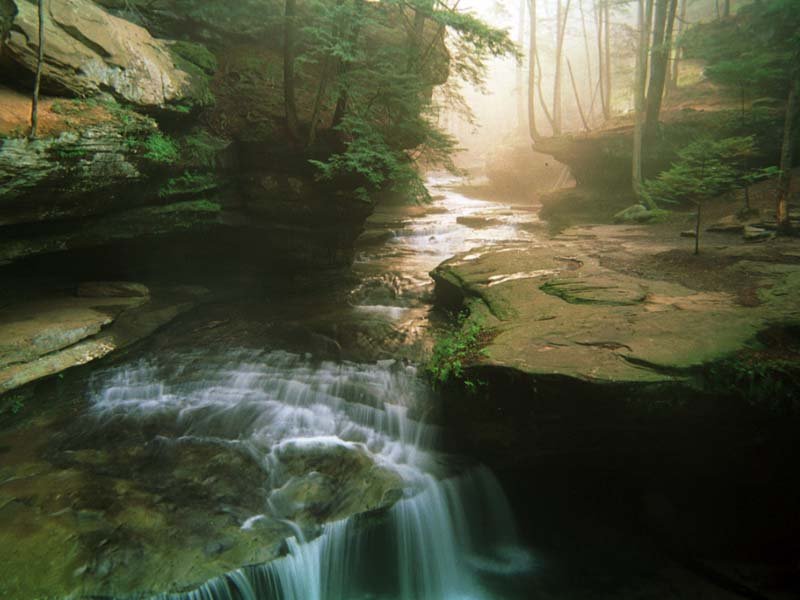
453, 351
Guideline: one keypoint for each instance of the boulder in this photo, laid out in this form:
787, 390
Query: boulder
327, 479
88, 50
640, 214
757, 234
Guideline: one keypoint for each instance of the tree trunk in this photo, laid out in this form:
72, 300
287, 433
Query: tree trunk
343, 99
577, 96
676, 60
787, 155
322, 88
587, 52
644, 18
533, 57
38, 80
607, 61
519, 90
598, 18
662, 38
542, 101
561, 22
697, 230
289, 99
726, 8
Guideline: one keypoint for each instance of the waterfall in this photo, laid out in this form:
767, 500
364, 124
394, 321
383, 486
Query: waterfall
447, 537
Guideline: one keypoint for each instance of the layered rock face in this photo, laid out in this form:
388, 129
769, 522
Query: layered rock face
589, 354
172, 138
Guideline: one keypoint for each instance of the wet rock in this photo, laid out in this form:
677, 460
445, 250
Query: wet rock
112, 289
478, 222
89, 50
45, 337
326, 479
596, 324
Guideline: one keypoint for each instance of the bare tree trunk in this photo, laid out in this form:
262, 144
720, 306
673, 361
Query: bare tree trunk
726, 8
598, 18
577, 96
520, 94
289, 98
697, 229
662, 37
533, 57
344, 67
787, 155
644, 18
676, 60
607, 61
38, 81
587, 52
541, 92
561, 22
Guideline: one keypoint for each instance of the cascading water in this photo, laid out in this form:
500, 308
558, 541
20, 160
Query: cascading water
441, 530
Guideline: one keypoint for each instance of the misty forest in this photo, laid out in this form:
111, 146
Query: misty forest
399, 299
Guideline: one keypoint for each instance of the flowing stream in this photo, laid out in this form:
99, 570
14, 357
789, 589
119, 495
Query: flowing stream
371, 505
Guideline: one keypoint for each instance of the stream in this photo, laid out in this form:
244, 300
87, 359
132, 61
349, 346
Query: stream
370, 505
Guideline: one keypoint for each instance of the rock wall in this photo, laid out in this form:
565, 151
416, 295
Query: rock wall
171, 140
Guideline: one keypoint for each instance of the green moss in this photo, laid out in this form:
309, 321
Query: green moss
188, 183
200, 148
160, 148
200, 94
197, 54
578, 292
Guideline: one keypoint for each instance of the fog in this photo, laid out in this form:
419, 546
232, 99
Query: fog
500, 109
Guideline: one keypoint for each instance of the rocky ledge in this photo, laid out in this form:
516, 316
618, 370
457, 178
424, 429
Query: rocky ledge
49, 333
600, 324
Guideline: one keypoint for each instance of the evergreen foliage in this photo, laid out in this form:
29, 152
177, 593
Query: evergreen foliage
386, 111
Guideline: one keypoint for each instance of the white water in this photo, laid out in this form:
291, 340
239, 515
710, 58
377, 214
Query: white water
451, 536
451, 531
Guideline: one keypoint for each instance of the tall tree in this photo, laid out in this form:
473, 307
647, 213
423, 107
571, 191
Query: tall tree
659, 62
598, 19
607, 60
520, 78
644, 18
38, 79
533, 62
346, 62
787, 154
672, 83
289, 49
562, 14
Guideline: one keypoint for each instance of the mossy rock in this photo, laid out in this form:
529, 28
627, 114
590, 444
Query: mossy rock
641, 214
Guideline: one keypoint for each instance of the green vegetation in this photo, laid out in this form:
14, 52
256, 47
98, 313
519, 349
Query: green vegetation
766, 382
200, 64
161, 149
188, 183
197, 54
454, 350
199, 148
705, 168
378, 87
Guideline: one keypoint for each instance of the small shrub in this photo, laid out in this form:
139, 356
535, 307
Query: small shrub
453, 351
159, 148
